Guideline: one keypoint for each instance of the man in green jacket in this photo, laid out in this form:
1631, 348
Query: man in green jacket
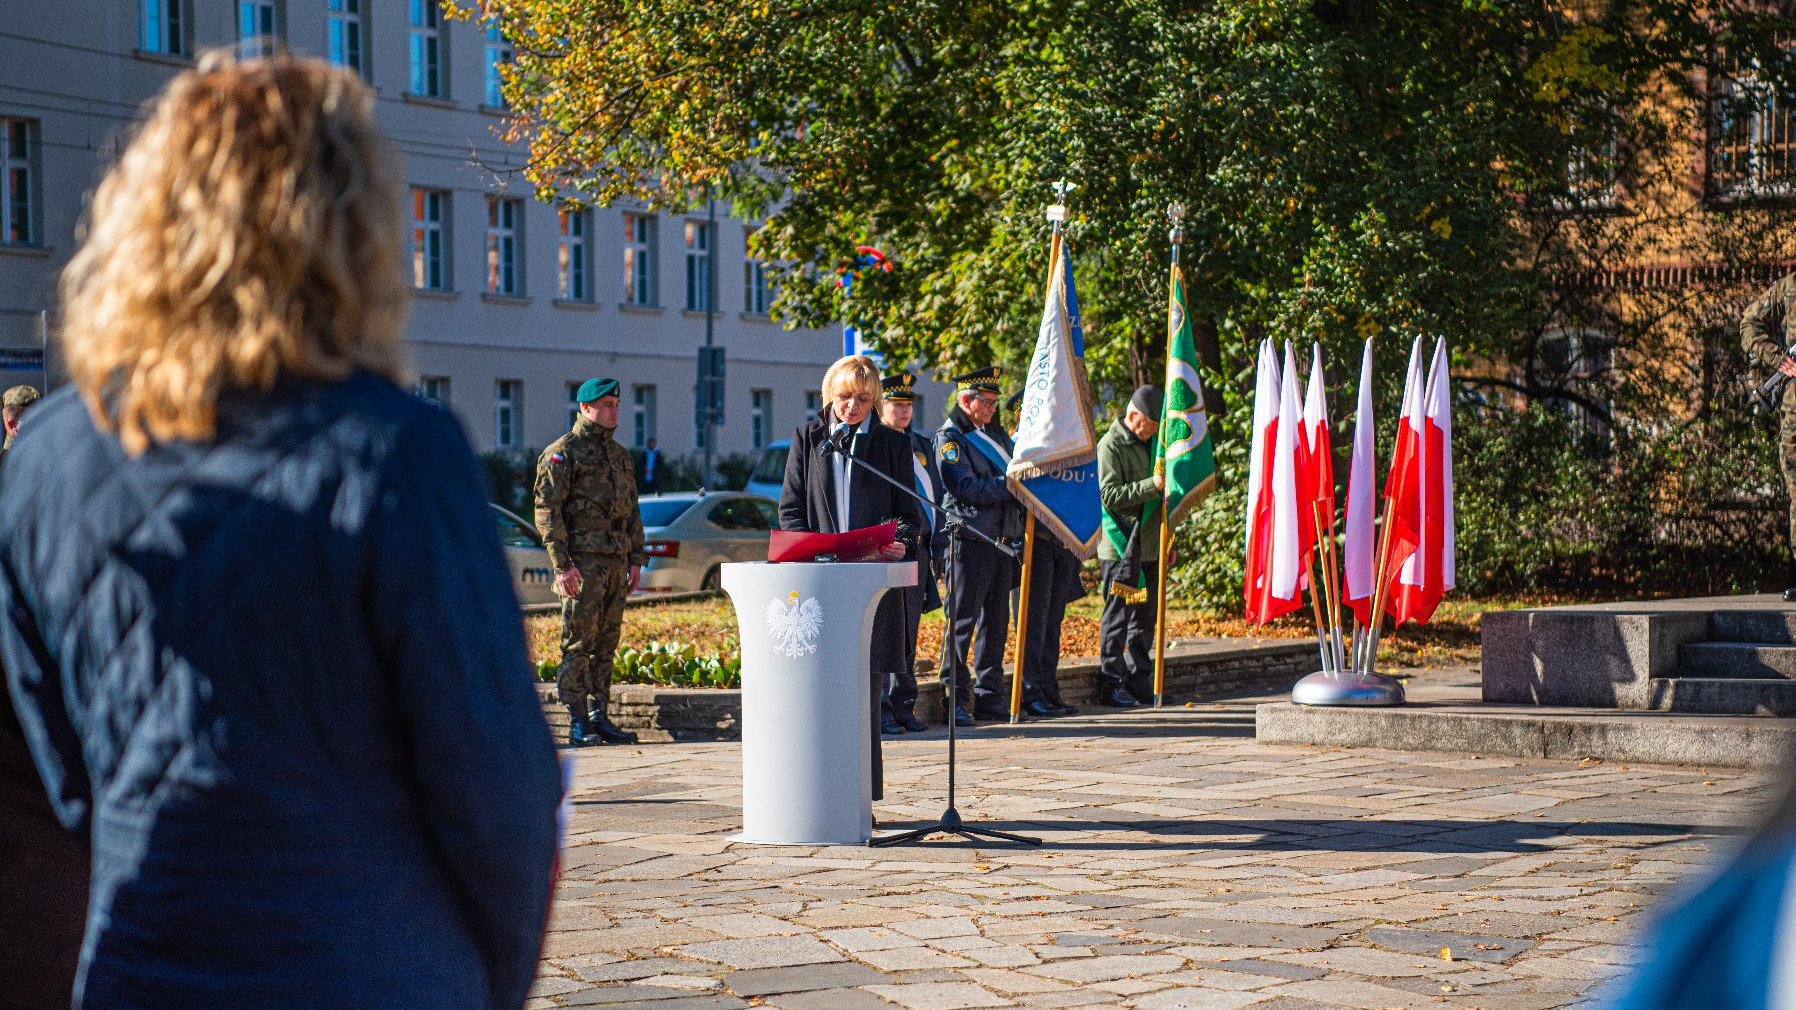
1764, 338
1129, 553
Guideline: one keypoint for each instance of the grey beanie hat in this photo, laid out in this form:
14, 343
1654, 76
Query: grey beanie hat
1148, 400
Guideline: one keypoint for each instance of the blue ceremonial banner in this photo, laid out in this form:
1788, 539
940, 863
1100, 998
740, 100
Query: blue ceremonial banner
1053, 470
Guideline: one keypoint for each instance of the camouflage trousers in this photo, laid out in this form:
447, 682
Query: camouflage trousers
1786, 457
590, 626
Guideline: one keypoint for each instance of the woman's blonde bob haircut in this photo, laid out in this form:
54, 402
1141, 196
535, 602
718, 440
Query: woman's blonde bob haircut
856, 373
251, 230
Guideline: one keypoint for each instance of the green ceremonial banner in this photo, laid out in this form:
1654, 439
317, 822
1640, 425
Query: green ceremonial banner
1182, 451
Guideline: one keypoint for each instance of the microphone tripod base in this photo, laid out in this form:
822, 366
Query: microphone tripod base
951, 824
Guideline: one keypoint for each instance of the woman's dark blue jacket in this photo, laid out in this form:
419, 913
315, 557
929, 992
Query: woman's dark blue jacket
282, 678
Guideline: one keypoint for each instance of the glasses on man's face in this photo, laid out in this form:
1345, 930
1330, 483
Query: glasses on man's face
989, 401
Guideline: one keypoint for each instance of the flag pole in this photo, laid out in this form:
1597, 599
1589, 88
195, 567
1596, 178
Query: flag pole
1056, 215
1022, 621
1325, 556
1369, 648
1176, 213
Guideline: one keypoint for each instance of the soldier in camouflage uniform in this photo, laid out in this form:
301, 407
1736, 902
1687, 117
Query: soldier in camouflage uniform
1763, 337
586, 513
12, 408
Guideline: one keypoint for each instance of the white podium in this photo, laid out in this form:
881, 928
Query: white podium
806, 733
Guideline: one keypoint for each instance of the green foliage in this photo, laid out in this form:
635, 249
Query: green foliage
1351, 169
511, 478
677, 666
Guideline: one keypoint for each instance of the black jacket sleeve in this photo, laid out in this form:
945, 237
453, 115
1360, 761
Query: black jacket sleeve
795, 508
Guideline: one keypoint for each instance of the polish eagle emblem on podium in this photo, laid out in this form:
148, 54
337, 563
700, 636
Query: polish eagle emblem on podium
794, 626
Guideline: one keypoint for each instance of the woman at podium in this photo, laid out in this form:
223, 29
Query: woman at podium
825, 493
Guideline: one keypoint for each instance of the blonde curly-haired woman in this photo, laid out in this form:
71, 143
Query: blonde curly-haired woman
258, 630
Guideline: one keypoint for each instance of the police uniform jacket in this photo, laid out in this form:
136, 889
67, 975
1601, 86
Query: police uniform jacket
973, 484
586, 498
1765, 338
279, 679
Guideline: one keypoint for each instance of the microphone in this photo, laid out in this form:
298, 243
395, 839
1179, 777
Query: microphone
839, 439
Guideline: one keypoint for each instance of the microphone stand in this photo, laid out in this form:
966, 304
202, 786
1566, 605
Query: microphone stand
950, 822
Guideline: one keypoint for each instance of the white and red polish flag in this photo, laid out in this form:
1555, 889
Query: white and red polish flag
1403, 483
1358, 554
1429, 571
1318, 453
1271, 584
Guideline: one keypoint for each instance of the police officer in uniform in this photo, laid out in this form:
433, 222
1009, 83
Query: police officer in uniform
973, 452
586, 513
897, 402
1765, 339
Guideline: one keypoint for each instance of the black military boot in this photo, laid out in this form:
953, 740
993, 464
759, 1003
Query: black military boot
609, 732
579, 733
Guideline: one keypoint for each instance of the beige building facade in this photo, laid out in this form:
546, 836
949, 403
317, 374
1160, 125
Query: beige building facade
516, 300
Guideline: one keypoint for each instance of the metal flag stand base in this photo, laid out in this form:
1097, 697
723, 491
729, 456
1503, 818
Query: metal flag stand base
1347, 687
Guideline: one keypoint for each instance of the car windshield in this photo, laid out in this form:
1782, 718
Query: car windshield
772, 467
660, 512
514, 534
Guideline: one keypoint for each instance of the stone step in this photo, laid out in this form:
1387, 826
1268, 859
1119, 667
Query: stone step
1537, 731
1770, 626
1738, 661
1723, 696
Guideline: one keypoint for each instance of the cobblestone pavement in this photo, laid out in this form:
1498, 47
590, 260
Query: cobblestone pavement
1185, 866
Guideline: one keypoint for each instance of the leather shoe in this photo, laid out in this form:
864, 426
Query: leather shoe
889, 726
1061, 708
579, 734
910, 722
609, 732
1790, 595
962, 717
1040, 709
1118, 697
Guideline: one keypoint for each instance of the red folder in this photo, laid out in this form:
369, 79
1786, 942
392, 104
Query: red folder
855, 545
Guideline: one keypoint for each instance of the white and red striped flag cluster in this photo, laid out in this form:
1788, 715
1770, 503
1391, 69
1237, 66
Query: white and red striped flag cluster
1291, 499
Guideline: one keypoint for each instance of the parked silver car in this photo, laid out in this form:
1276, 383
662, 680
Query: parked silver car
531, 574
689, 536
769, 474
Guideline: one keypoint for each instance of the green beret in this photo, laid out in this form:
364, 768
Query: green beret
595, 389
20, 396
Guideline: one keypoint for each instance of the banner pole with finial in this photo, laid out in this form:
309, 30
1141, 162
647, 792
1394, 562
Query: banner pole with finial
1056, 215
1175, 212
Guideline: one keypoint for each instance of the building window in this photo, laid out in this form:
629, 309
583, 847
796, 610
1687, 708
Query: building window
698, 266
162, 26
570, 255
258, 26
429, 269
502, 219
813, 402
508, 411
757, 293
639, 259
760, 418
18, 166
1593, 167
1752, 139
642, 415
498, 53
426, 48
434, 388
343, 34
